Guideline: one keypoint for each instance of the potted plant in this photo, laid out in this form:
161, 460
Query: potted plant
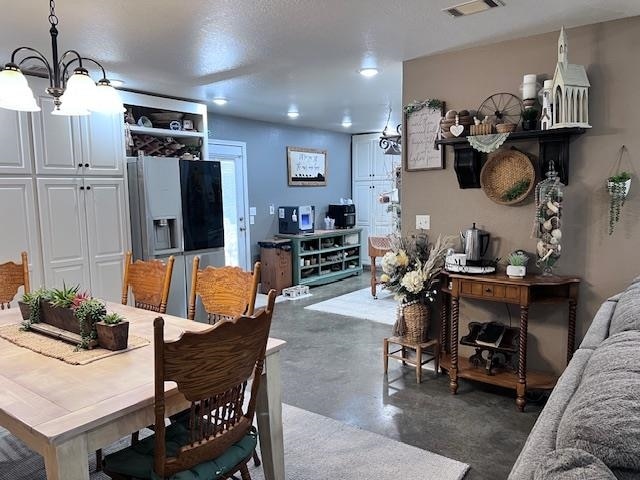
113, 332
56, 308
88, 312
30, 306
517, 267
530, 119
618, 187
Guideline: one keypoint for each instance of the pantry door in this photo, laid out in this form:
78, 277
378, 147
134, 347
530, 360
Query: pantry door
233, 162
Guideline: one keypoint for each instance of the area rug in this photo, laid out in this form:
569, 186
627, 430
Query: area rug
316, 448
55, 348
360, 304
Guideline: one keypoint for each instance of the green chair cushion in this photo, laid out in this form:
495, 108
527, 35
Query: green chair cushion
137, 460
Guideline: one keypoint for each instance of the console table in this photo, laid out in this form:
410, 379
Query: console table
500, 288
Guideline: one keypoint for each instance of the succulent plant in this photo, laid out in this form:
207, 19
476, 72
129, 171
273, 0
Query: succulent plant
63, 297
34, 299
88, 313
617, 188
517, 259
112, 318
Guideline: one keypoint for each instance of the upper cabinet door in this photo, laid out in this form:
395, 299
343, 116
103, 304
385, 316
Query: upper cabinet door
102, 143
56, 151
16, 152
107, 229
361, 157
63, 226
384, 165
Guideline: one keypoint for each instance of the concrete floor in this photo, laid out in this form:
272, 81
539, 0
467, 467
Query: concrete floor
332, 366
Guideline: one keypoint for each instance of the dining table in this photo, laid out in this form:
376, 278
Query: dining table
66, 412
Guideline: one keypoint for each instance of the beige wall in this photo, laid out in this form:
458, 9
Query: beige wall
606, 264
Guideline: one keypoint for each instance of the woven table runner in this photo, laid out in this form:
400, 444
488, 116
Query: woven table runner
64, 351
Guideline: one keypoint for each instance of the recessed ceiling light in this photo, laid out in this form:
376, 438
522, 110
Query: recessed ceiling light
346, 123
220, 101
293, 114
116, 82
368, 72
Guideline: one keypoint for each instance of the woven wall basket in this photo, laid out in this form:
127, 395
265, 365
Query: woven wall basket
502, 171
413, 321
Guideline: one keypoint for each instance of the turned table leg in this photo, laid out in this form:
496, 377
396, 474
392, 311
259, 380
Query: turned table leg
453, 372
521, 388
571, 336
374, 282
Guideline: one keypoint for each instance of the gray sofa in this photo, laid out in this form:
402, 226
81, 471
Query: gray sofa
590, 426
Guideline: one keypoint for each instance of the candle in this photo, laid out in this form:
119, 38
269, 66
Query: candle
529, 86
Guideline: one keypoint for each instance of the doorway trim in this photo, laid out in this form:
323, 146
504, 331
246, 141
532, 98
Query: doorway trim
231, 149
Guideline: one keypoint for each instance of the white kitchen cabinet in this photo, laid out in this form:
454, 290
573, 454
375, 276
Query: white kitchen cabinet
56, 152
63, 223
102, 144
87, 145
16, 153
18, 218
84, 233
373, 175
107, 234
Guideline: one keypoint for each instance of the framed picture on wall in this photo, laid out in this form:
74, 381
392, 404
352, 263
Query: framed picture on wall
422, 127
306, 167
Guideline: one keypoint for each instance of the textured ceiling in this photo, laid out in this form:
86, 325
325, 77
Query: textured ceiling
268, 56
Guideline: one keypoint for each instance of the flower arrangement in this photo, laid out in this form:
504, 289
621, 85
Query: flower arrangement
411, 268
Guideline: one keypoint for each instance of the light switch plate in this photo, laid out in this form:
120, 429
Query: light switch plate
252, 211
423, 222
252, 220
272, 209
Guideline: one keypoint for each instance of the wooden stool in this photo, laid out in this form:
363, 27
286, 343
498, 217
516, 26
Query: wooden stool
418, 347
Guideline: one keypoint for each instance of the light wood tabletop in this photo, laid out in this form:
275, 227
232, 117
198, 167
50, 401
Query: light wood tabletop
65, 411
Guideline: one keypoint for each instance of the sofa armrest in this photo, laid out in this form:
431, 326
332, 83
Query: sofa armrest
599, 328
542, 438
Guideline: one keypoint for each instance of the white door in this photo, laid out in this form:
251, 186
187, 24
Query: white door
233, 161
19, 225
102, 137
61, 203
56, 150
16, 153
382, 217
362, 194
106, 234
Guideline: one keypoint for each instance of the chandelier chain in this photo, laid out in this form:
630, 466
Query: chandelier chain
53, 18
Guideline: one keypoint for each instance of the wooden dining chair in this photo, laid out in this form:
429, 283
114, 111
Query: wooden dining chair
12, 277
225, 292
214, 438
149, 282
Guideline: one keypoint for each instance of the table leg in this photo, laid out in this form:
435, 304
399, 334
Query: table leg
571, 337
444, 317
521, 388
67, 461
269, 416
374, 292
453, 372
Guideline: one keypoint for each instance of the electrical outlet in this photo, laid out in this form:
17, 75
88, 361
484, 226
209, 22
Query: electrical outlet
252, 220
272, 209
423, 222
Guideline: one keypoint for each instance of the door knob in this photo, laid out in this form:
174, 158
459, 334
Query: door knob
88, 188
81, 187
86, 165
80, 165
242, 229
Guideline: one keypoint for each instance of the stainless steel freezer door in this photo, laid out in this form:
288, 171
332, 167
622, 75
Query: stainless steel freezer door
213, 258
177, 302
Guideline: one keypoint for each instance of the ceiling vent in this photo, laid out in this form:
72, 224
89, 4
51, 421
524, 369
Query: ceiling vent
475, 6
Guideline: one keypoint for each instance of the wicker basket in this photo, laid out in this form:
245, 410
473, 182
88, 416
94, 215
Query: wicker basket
502, 171
413, 321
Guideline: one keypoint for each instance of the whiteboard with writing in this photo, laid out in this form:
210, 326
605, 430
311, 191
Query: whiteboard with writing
306, 166
423, 129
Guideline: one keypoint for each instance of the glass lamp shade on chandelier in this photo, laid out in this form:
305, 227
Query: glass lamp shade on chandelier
74, 92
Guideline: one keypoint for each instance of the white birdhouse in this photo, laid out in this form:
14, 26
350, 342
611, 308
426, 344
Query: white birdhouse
570, 94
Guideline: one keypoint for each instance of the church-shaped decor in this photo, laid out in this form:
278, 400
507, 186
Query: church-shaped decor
570, 93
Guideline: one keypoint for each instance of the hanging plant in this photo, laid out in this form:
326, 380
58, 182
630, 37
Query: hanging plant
431, 103
618, 187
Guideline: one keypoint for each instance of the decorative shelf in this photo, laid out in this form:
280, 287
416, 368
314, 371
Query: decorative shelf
165, 132
553, 145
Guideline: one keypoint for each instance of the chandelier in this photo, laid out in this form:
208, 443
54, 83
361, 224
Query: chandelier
390, 141
73, 91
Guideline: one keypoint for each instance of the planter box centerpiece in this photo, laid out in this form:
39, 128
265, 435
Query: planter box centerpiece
113, 332
67, 314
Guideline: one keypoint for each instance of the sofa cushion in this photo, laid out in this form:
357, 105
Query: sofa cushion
627, 312
572, 464
603, 416
542, 438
